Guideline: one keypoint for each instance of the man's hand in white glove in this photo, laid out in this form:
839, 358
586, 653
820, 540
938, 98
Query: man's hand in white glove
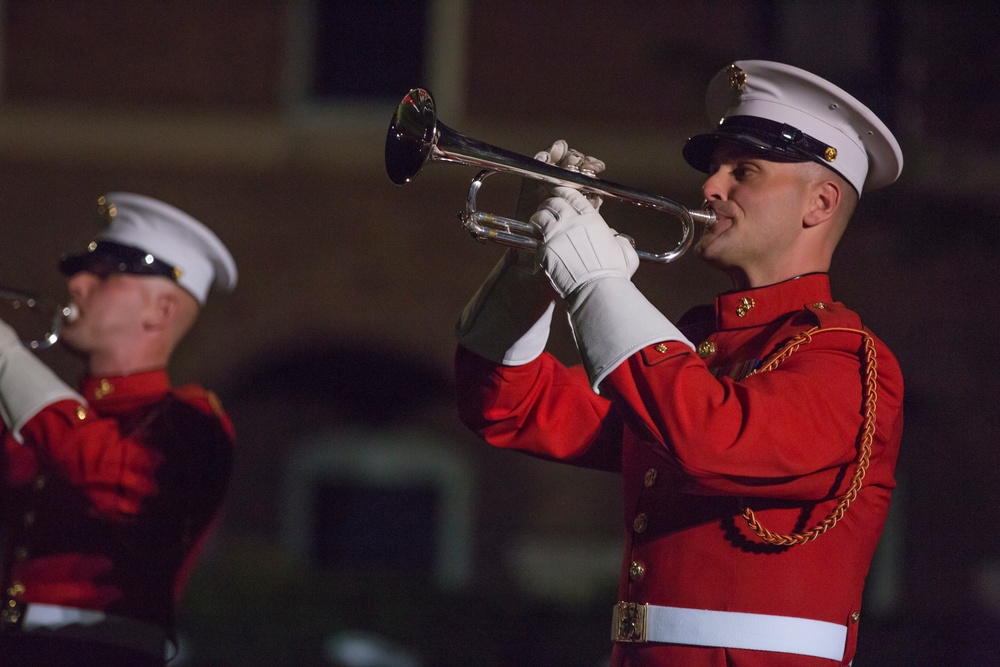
534, 192
8, 337
561, 155
26, 384
591, 267
508, 319
578, 246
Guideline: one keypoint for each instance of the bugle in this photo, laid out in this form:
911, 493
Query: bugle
416, 137
46, 317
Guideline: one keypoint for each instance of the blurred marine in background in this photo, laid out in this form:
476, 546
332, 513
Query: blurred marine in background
756, 439
109, 490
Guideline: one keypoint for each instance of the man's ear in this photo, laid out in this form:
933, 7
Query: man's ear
162, 311
824, 202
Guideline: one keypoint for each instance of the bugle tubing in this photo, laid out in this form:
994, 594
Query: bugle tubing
416, 137
51, 315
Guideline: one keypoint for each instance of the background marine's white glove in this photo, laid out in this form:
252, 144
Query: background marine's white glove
508, 319
591, 267
26, 384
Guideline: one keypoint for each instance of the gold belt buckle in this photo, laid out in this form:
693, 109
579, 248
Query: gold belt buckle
628, 623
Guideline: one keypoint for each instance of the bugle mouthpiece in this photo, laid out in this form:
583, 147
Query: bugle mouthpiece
70, 313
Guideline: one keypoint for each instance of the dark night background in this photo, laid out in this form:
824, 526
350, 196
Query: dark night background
362, 513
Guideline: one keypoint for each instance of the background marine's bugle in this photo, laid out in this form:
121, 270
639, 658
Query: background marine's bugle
37, 320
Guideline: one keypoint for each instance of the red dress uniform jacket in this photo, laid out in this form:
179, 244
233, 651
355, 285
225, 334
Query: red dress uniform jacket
105, 507
696, 439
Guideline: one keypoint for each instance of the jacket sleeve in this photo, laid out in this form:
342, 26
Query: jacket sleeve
543, 408
117, 472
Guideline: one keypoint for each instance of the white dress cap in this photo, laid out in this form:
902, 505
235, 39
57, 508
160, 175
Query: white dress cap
793, 115
199, 258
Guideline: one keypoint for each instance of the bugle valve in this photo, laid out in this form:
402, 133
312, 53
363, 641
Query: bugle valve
416, 137
39, 321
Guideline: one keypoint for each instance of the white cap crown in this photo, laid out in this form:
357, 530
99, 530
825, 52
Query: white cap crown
794, 115
176, 244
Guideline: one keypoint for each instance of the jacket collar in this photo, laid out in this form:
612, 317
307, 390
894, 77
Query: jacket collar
760, 305
123, 392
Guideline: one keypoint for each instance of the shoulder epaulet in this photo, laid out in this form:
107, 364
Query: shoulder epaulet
199, 396
833, 314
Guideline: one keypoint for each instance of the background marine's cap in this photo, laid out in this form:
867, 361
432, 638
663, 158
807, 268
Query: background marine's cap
146, 236
792, 115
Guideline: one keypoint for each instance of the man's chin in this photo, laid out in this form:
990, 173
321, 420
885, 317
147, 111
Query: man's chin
70, 341
711, 254
706, 248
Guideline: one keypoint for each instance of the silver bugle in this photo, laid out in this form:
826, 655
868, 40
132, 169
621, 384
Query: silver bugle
416, 137
49, 314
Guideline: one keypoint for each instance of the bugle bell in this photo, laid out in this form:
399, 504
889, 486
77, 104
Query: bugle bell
416, 137
37, 320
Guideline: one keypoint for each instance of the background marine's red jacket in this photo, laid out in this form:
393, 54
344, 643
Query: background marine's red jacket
105, 506
695, 438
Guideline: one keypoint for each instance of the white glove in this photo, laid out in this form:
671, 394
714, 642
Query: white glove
591, 267
534, 192
578, 246
507, 320
26, 384
562, 155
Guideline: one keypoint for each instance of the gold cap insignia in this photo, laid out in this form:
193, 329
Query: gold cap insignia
737, 78
830, 154
106, 210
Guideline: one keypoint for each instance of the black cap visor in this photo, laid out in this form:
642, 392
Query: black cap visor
772, 140
107, 258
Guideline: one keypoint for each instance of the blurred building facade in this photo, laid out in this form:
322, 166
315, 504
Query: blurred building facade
266, 119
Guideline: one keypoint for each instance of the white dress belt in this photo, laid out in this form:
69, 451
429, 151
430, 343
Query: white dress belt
728, 629
94, 625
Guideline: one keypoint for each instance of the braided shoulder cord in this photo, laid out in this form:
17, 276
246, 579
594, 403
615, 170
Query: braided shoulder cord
865, 449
